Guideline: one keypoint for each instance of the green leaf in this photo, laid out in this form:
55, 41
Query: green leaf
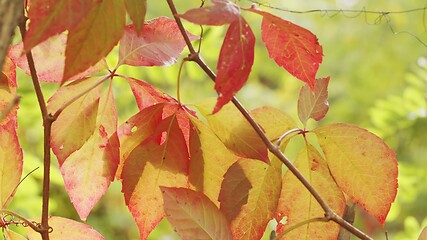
136, 10
193, 215
363, 166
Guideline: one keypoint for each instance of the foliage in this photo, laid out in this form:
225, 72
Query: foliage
170, 163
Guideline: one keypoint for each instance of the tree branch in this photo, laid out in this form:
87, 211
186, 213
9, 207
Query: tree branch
329, 213
47, 124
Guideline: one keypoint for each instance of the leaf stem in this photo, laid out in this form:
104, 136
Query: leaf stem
23, 219
330, 215
47, 124
279, 141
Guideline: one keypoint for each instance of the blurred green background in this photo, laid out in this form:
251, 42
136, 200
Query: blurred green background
378, 81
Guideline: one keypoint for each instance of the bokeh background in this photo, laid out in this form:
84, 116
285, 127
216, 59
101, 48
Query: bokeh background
378, 69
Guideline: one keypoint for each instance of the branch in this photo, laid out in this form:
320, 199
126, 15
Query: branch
329, 213
47, 124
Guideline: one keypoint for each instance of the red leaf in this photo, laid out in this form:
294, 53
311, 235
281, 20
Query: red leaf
152, 164
249, 195
193, 215
160, 44
146, 95
292, 47
51, 17
222, 12
66, 229
313, 104
298, 205
137, 10
235, 61
363, 166
94, 37
49, 59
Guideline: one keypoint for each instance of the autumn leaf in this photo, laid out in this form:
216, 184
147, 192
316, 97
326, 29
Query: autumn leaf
11, 235
235, 132
66, 229
235, 61
49, 60
51, 17
423, 235
160, 44
210, 160
292, 47
193, 215
297, 204
249, 197
273, 121
137, 10
11, 157
88, 165
222, 12
313, 104
94, 37
146, 95
160, 160
349, 150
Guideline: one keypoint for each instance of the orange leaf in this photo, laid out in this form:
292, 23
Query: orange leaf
363, 166
313, 104
210, 159
49, 60
423, 235
160, 44
66, 229
137, 10
222, 12
152, 164
94, 37
235, 61
193, 215
249, 195
51, 17
11, 158
234, 131
297, 204
11, 235
88, 164
146, 95
292, 47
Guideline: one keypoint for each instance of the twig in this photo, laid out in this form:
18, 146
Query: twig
47, 124
26, 221
329, 213
279, 141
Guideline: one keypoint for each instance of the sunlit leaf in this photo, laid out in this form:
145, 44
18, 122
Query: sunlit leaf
222, 12
66, 229
11, 235
157, 161
235, 132
249, 196
273, 121
137, 10
363, 166
193, 215
160, 44
51, 17
146, 94
313, 104
292, 47
210, 159
11, 158
49, 60
297, 204
235, 61
94, 37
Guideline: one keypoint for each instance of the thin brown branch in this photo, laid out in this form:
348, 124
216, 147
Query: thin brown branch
47, 124
329, 213
23, 219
